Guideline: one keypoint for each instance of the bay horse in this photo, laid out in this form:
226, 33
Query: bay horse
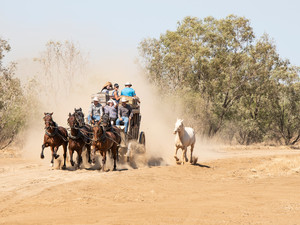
79, 138
105, 140
54, 137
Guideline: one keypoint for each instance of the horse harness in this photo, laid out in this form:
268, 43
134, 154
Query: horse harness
55, 132
86, 139
104, 136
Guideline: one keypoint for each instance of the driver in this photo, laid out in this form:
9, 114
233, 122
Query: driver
95, 111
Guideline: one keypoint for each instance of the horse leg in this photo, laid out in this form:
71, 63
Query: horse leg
184, 149
79, 159
186, 158
65, 155
71, 156
52, 160
88, 151
93, 155
42, 153
103, 160
192, 148
175, 156
55, 152
115, 155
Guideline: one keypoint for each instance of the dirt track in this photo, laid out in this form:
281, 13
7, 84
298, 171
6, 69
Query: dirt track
249, 187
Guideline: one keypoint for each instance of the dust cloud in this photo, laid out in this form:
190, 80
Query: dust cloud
158, 114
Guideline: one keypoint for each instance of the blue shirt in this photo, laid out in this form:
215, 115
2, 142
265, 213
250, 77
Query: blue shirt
128, 92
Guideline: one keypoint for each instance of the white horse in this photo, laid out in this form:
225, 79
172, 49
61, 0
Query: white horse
185, 136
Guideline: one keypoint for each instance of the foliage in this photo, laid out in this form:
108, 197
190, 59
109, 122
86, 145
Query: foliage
12, 114
238, 79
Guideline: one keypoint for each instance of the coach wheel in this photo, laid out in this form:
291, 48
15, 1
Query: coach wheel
142, 138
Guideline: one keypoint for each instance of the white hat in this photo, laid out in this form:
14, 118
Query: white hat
128, 83
95, 99
124, 99
109, 101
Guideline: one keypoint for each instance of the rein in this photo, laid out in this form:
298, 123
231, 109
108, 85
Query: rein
104, 136
55, 132
80, 134
51, 134
75, 137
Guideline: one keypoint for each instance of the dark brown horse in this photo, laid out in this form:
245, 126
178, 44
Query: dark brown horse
79, 138
54, 137
104, 141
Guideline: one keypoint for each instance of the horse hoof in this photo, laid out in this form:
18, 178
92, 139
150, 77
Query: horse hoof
64, 167
51, 164
56, 156
176, 158
42, 156
114, 169
72, 163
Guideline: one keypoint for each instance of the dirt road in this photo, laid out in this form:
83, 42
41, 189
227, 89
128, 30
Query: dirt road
243, 187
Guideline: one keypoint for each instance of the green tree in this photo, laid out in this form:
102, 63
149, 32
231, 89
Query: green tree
233, 79
206, 56
285, 110
12, 115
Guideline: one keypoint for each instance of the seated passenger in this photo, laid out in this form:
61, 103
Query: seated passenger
106, 88
124, 113
115, 93
128, 91
112, 110
95, 111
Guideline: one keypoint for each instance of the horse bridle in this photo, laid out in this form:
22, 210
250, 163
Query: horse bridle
103, 136
50, 121
77, 118
75, 122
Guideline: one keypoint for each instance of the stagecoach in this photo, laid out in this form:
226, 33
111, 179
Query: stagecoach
134, 141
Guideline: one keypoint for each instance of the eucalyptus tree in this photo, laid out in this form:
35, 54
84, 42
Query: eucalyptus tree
205, 56
12, 115
224, 76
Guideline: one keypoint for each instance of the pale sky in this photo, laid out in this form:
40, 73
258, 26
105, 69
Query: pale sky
113, 29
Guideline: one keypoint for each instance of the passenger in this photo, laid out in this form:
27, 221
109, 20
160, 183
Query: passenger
115, 93
124, 113
95, 111
112, 111
106, 88
128, 91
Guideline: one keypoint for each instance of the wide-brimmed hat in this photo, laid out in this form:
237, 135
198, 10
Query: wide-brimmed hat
128, 84
124, 99
110, 101
107, 84
95, 99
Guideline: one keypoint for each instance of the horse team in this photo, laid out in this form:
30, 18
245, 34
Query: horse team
97, 137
